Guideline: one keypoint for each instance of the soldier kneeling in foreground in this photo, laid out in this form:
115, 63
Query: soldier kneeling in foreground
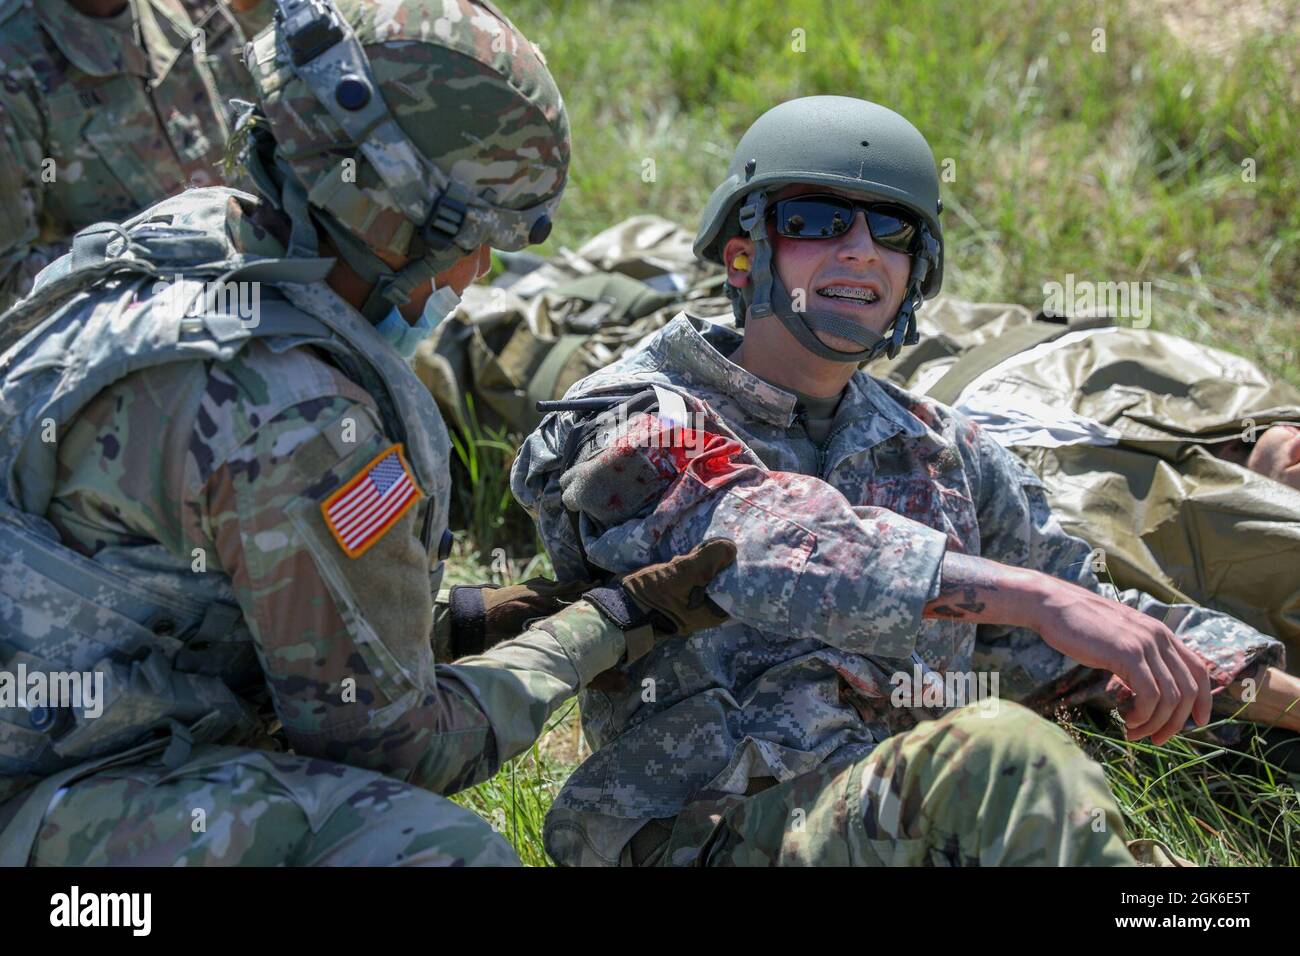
229, 511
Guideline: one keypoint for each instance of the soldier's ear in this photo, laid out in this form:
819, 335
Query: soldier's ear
738, 255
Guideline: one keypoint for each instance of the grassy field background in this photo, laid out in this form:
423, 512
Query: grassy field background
1169, 157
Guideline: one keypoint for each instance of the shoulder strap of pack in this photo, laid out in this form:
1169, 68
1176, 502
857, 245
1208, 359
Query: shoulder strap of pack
614, 297
164, 252
614, 300
541, 387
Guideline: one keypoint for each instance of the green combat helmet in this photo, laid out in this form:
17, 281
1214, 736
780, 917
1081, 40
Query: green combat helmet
857, 147
372, 126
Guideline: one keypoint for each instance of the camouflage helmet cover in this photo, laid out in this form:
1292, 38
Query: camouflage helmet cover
453, 121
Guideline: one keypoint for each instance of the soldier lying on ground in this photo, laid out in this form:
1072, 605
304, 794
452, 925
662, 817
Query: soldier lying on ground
873, 528
107, 107
230, 521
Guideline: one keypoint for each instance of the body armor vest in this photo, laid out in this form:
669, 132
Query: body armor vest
170, 646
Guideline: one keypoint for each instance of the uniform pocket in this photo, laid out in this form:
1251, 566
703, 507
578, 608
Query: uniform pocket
769, 566
382, 588
369, 605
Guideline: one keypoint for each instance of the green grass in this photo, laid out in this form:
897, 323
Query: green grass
515, 801
1212, 805
1117, 166
481, 501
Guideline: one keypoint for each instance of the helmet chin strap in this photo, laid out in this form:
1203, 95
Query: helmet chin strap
766, 294
389, 287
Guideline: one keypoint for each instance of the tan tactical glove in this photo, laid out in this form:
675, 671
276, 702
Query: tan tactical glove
676, 589
657, 601
661, 601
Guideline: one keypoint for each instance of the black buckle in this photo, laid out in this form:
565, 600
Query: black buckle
309, 28
444, 223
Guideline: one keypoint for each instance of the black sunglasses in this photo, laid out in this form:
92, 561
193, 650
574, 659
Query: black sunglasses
825, 217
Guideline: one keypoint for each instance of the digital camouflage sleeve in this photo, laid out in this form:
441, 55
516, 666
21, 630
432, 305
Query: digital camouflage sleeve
226, 467
639, 496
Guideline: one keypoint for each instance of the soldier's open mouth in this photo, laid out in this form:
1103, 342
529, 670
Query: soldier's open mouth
851, 293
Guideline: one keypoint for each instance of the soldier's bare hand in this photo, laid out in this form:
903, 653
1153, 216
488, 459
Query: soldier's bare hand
1168, 680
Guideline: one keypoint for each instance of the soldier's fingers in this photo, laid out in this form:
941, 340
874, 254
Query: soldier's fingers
711, 557
550, 588
573, 589
1165, 690
1200, 671
1146, 694
1186, 693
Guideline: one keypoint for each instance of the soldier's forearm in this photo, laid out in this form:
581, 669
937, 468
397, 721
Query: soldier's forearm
1274, 701
986, 592
488, 708
518, 685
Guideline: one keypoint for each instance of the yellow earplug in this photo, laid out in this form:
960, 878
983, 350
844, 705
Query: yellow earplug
741, 262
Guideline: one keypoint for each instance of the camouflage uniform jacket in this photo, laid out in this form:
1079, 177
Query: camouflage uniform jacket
839, 550
203, 479
98, 122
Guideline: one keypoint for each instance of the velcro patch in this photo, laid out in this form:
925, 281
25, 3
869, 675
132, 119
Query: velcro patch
371, 502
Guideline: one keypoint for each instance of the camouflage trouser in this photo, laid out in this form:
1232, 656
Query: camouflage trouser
966, 789
233, 806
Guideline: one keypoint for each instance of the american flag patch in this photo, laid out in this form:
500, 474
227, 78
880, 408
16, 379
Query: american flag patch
359, 513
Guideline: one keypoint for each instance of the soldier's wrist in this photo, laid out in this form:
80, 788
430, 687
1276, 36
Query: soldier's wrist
638, 623
1032, 597
591, 640
468, 622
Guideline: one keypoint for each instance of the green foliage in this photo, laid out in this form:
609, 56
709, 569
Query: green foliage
1212, 805
482, 504
515, 801
1117, 166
